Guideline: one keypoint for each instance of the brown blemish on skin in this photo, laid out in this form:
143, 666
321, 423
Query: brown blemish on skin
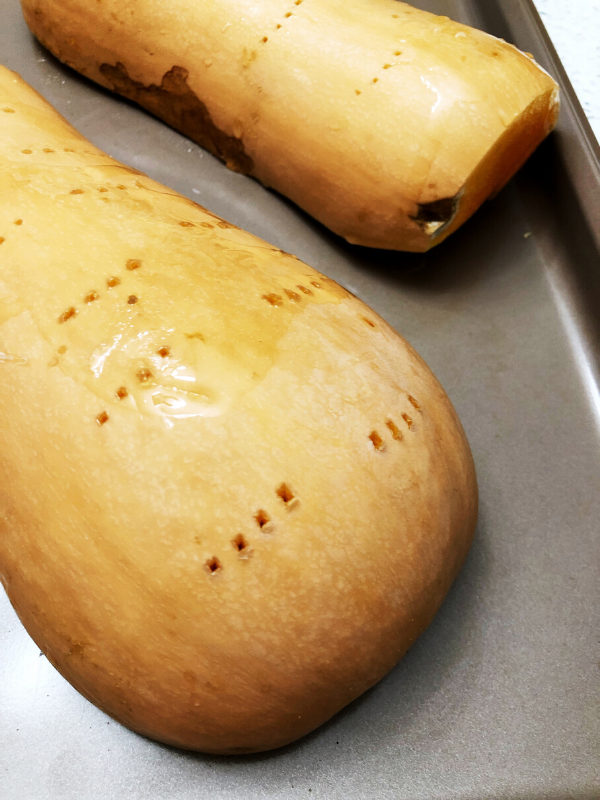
187, 224
132, 264
377, 441
286, 495
66, 315
144, 375
413, 402
112, 282
62, 349
273, 299
303, 289
163, 352
437, 215
77, 649
18, 222
91, 297
102, 418
8, 110
2, 239
76, 191
263, 520
213, 565
408, 420
196, 335
132, 299
122, 393
175, 103
396, 432
27, 152
294, 296
241, 545
368, 322
48, 150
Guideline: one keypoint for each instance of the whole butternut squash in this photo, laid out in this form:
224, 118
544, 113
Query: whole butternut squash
388, 124
231, 496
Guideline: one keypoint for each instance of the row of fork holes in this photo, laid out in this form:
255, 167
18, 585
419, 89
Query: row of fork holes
92, 296
377, 440
275, 299
287, 15
213, 565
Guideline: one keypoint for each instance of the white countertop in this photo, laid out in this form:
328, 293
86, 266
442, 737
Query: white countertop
574, 27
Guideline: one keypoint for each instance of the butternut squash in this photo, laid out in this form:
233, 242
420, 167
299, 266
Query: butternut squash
231, 496
388, 124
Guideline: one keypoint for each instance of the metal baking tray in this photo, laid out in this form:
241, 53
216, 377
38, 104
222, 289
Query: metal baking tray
497, 699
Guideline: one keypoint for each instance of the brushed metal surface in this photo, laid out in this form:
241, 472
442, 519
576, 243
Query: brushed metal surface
498, 699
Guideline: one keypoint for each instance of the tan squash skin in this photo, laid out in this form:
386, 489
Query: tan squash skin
388, 124
112, 509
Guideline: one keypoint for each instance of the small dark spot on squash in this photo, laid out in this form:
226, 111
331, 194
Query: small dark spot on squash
91, 296
273, 299
241, 545
133, 264
122, 393
213, 566
377, 441
285, 493
102, 418
396, 432
67, 315
262, 519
